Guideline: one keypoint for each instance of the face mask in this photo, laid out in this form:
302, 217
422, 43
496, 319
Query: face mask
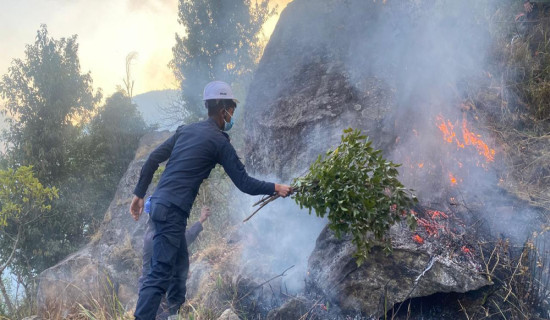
228, 125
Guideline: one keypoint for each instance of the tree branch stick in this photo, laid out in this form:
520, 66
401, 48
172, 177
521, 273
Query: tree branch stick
14, 248
262, 284
267, 201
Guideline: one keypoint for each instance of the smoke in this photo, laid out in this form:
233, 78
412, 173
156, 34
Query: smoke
278, 237
430, 53
149, 5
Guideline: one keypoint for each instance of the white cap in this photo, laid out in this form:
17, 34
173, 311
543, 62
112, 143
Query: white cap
218, 90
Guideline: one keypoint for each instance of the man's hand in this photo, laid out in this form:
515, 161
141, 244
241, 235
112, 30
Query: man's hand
283, 190
205, 213
136, 208
528, 6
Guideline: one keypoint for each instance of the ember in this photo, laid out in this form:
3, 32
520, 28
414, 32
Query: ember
437, 214
429, 223
431, 227
453, 179
418, 239
466, 250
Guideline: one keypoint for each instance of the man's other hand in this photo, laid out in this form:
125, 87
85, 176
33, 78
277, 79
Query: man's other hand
283, 190
528, 6
205, 213
136, 208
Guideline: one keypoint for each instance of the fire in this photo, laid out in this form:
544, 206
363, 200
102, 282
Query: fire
437, 214
432, 227
447, 128
468, 138
418, 239
474, 140
453, 179
430, 223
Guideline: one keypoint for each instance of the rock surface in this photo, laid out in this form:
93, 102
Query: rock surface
111, 263
412, 270
228, 315
292, 309
304, 92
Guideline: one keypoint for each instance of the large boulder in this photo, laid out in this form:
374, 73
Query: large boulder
387, 68
412, 270
303, 94
110, 264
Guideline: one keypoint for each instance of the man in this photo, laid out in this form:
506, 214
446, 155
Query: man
190, 235
192, 152
529, 5
532, 7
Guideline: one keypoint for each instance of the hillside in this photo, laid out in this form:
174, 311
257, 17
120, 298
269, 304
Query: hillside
446, 89
151, 105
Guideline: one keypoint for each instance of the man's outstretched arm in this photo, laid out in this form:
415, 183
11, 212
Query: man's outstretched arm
236, 171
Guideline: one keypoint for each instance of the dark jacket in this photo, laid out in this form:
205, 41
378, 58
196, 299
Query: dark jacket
192, 152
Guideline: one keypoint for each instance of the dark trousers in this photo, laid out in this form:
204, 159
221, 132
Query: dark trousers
169, 262
147, 251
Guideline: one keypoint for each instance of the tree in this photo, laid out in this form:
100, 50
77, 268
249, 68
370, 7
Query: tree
46, 97
221, 42
47, 100
23, 202
111, 138
128, 81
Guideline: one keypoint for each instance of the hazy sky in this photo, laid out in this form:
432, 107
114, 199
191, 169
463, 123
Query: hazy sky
107, 31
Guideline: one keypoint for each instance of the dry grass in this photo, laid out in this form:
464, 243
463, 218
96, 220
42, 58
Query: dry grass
521, 277
514, 100
529, 160
126, 254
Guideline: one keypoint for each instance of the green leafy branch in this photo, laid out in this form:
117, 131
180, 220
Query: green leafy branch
359, 191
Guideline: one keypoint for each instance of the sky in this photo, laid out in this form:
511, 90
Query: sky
108, 30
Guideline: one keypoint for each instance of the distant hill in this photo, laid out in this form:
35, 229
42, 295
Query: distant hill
151, 105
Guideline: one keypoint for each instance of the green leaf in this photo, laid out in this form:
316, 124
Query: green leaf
350, 185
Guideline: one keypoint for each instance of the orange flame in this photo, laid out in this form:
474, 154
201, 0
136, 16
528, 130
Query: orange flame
474, 140
418, 239
470, 138
421, 165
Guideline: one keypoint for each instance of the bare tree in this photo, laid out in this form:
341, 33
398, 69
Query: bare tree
128, 81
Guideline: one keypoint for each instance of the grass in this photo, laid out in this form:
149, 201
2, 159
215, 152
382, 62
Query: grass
513, 99
521, 277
